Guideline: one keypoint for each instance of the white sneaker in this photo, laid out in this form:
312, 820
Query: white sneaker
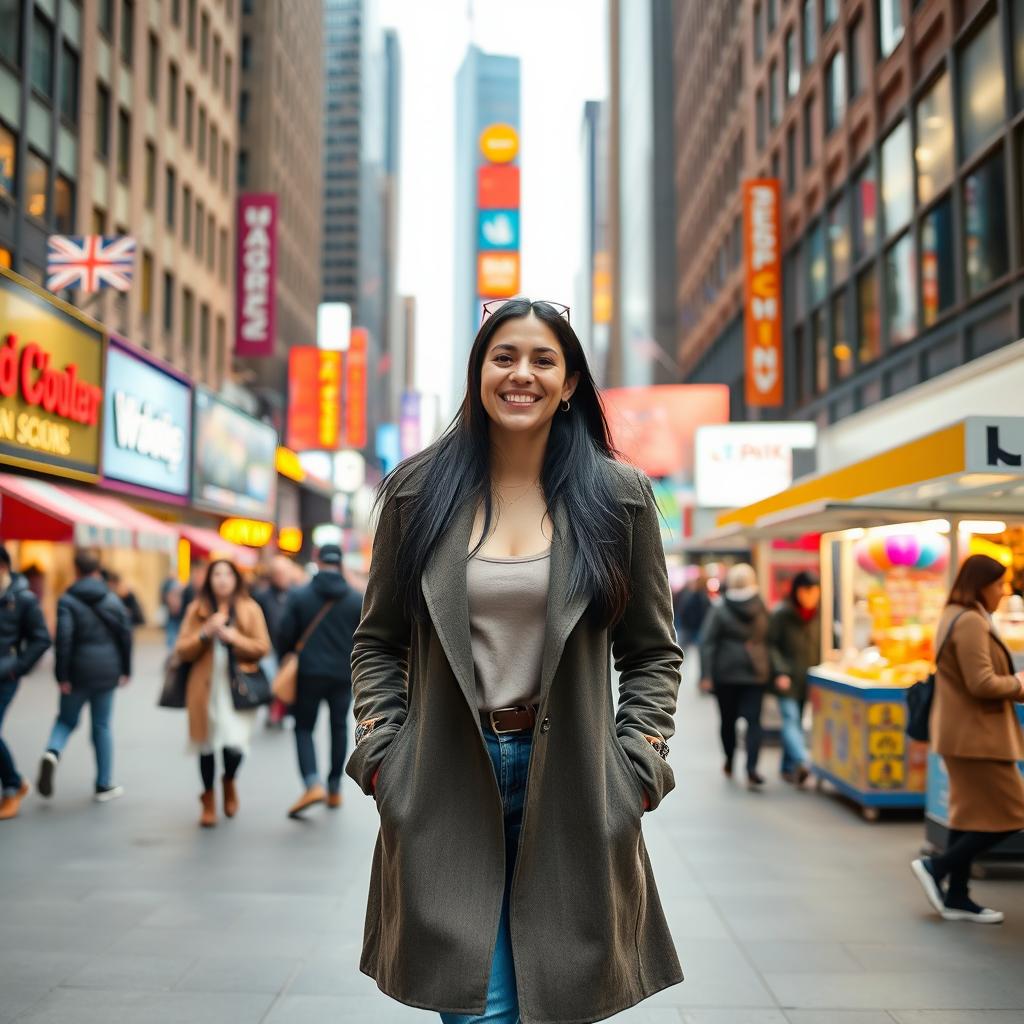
979, 915
931, 887
108, 793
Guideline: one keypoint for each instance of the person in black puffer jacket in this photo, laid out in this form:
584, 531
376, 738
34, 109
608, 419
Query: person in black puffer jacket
94, 657
736, 664
324, 671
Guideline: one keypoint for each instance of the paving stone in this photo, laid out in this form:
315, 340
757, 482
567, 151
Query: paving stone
121, 972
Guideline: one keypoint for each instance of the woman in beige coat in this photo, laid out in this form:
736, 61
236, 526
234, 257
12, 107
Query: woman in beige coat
974, 727
223, 622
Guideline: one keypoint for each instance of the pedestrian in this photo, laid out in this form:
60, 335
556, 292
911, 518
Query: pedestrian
736, 665
511, 557
974, 727
272, 597
692, 607
24, 639
94, 658
794, 638
223, 624
321, 618
171, 593
120, 586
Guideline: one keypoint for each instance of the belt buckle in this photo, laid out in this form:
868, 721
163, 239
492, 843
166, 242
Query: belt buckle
497, 731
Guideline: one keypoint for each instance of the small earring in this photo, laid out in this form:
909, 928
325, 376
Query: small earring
565, 405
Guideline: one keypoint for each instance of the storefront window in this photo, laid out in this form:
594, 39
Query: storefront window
839, 241
982, 88
938, 278
865, 213
8, 154
36, 181
821, 360
985, 224
869, 335
897, 179
934, 153
817, 269
890, 26
835, 92
901, 292
842, 354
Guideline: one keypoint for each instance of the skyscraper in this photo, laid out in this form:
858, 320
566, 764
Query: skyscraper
593, 313
486, 95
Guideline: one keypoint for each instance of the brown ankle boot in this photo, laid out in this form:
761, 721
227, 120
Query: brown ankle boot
10, 805
209, 816
230, 797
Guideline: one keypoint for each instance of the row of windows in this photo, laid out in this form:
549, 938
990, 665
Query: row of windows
38, 173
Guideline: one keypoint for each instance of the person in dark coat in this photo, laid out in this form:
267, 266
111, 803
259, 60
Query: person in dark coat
24, 639
94, 657
736, 665
324, 671
120, 587
794, 637
272, 598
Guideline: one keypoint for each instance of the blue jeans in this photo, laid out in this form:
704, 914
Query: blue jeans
310, 693
10, 780
510, 756
101, 713
794, 746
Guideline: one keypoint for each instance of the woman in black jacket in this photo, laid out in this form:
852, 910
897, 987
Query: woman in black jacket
736, 664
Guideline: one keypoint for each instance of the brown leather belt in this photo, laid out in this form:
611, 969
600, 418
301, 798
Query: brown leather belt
520, 718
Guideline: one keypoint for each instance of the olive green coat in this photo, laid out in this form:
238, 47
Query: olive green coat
589, 936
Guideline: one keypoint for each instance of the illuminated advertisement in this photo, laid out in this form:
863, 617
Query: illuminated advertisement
355, 390
51, 382
499, 143
762, 265
256, 280
497, 187
497, 274
314, 398
147, 425
497, 229
233, 463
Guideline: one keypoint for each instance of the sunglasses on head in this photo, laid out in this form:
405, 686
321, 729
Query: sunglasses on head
491, 307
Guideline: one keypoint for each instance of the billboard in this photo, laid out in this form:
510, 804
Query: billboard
762, 272
256, 276
314, 398
51, 383
497, 229
355, 390
497, 187
233, 462
499, 143
333, 325
655, 427
147, 425
497, 274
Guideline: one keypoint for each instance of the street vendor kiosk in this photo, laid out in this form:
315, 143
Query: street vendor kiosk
894, 529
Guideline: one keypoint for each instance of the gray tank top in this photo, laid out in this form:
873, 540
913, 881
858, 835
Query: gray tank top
508, 600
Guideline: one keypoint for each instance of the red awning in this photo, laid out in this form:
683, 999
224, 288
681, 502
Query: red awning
210, 544
150, 534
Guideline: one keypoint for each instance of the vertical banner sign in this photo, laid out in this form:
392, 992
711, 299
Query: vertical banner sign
355, 389
314, 399
329, 400
256, 281
763, 292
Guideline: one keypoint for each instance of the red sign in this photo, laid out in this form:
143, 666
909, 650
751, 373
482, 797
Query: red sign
355, 389
763, 292
498, 187
256, 280
314, 399
42, 385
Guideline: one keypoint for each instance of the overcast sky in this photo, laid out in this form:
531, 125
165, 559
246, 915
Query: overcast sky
563, 51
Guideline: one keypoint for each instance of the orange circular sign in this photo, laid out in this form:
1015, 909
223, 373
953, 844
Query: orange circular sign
499, 143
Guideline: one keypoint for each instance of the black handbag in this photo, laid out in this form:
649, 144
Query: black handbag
249, 690
921, 695
172, 693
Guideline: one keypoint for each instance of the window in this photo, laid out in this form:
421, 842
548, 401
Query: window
791, 160
839, 241
211, 238
98, 223
860, 71
187, 315
225, 164
204, 339
216, 62
127, 31
803, 392
200, 227
8, 158
819, 348
982, 88
758, 33
37, 181
176, 12
243, 107
10, 31
835, 92
150, 176
831, 9
190, 111
222, 270
774, 101
228, 72
243, 168
69, 85
42, 55
842, 353
817, 268
869, 333
809, 133
172, 94
792, 65
934, 153
186, 215
809, 28
202, 134
246, 53
204, 41
124, 144
1018, 48
897, 179
890, 26
214, 150
865, 213
901, 292
985, 224
106, 17
168, 302
102, 121
761, 117
64, 205
773, 15
146, 297
170, 190
938, 280
153, 68
191, 27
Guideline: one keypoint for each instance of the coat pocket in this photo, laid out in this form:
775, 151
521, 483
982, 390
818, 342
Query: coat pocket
383, 766
627, 769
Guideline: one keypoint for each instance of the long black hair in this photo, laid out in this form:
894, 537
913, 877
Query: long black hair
457, 466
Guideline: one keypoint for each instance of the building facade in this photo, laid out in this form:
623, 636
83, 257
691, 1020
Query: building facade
280, 132
896, 129
117, 117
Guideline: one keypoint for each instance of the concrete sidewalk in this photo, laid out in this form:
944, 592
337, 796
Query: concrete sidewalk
786, 907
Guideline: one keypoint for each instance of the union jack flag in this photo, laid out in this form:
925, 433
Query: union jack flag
90, 262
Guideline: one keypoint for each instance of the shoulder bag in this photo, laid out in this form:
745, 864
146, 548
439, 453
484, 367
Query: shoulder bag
921, 695
286, 681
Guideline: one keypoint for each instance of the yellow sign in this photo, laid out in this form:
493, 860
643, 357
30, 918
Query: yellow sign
288, 465
499, 143
252, 533
51, 382
289, 538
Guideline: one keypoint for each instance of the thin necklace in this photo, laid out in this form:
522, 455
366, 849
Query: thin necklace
535, 484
